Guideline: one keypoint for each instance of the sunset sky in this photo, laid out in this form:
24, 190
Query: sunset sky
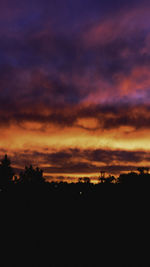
75, 85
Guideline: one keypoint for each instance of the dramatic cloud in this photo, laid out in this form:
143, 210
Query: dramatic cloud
74, 79
89, 118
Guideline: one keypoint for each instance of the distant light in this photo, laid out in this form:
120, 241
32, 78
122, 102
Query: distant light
81, 193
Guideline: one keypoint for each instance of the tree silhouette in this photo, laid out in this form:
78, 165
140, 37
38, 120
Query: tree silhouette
131, 179
6, 171
86, 180
80, 180
109, 179
102, 177
143, 170
31, 175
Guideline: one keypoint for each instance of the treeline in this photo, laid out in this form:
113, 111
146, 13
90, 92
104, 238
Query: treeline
41, 213
28, 176
34, 176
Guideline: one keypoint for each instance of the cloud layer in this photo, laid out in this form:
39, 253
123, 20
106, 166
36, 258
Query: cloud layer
75, 77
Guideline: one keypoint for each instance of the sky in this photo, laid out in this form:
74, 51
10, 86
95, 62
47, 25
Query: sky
75, 85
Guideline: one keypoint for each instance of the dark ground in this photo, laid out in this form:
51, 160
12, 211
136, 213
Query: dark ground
105, 225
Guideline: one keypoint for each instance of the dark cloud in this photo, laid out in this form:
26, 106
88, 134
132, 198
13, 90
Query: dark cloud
107, 117
82, 161
108, 156
39, 43
64, 62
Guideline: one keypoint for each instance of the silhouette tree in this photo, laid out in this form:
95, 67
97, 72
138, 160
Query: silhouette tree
6, 172
102, 176
31, 175
80, 180
131, 179
86, 180
109, 179
143, 170
102, 180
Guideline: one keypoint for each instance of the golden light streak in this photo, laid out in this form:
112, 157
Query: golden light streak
122, 138
16, 139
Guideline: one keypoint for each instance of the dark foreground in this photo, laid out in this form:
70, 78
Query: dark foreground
75, 225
